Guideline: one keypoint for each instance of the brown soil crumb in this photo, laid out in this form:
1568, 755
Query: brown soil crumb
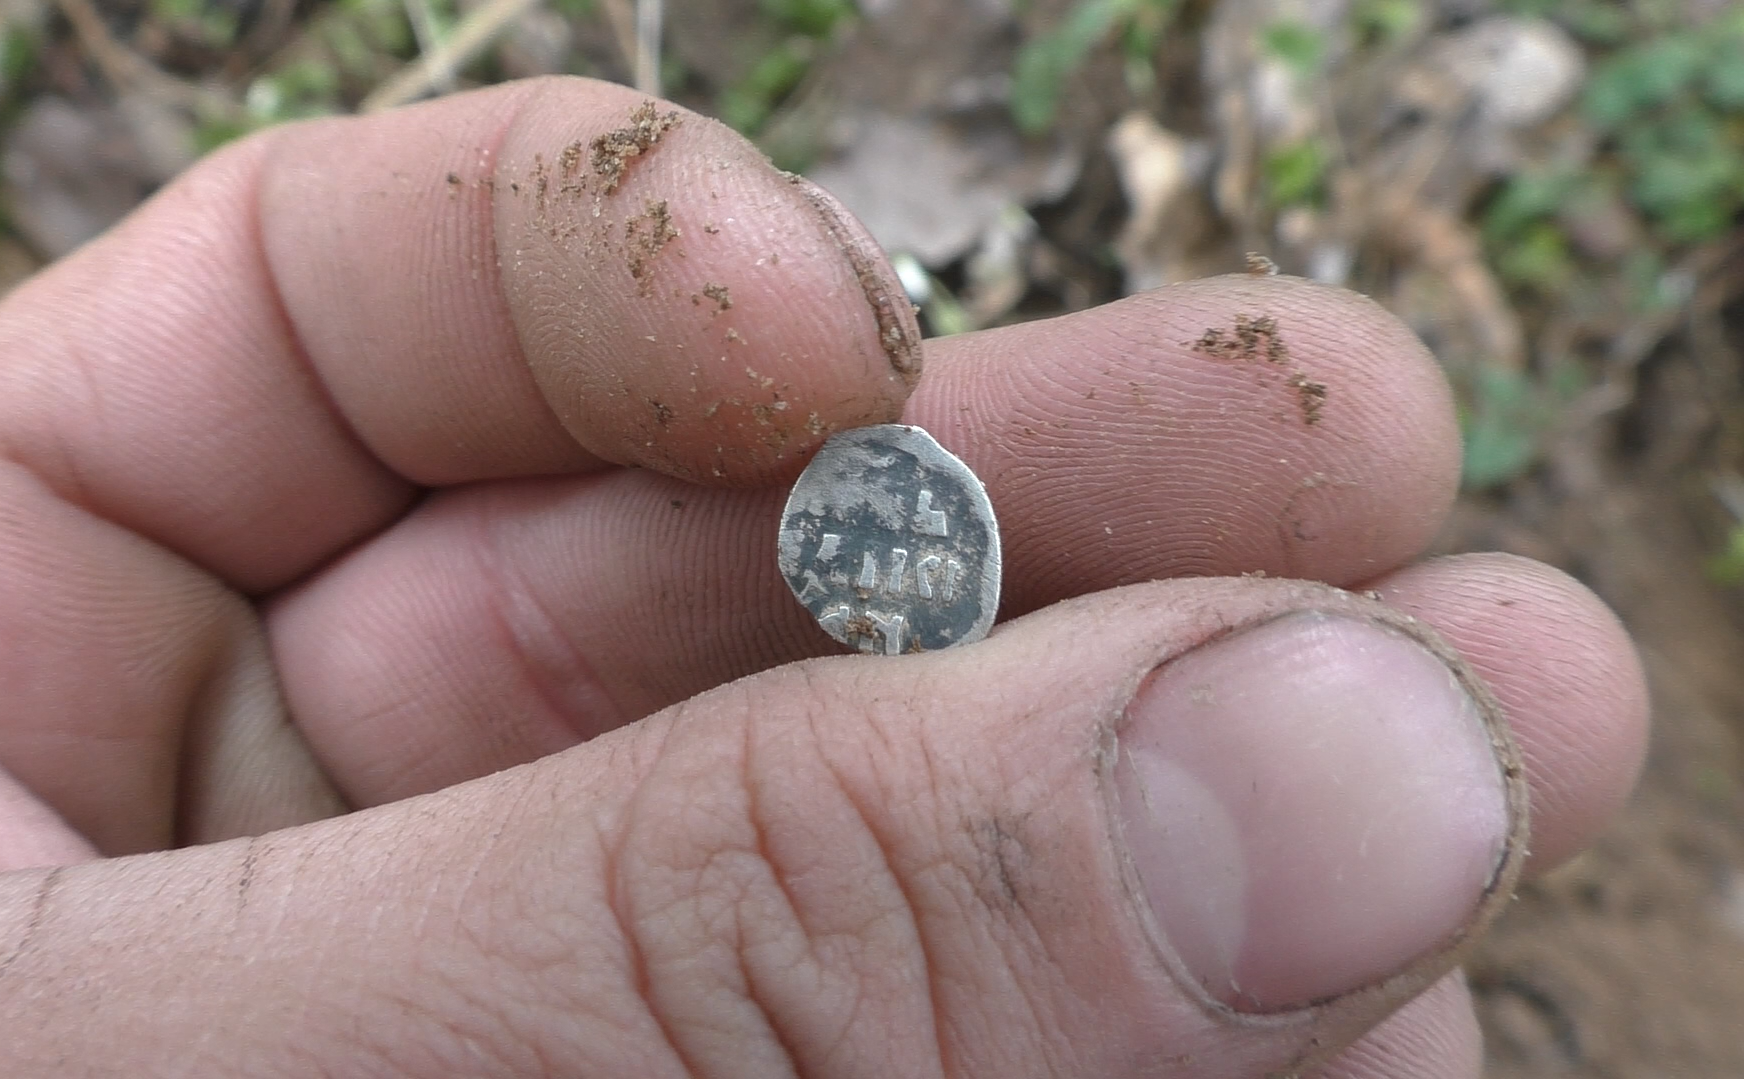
735, 336
766, 415
570, 159
1311, 395
1259, 266
645, 235
711, 228
662, 412
454, 179
1251, 339
541, 187
897, 338
719, 294
613, 151
1257, 338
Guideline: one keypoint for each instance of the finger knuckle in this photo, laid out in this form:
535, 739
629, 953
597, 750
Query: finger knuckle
773, 923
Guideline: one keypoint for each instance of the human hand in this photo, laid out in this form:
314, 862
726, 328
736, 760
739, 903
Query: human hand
314, 519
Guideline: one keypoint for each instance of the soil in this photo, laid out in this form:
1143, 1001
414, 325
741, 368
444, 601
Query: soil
1629, 960
612, 152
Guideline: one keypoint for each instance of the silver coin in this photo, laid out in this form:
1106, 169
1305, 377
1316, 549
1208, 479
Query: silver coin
890, 542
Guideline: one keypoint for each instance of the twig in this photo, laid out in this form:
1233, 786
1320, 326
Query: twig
127, 70
471, 36
424, 31
649, 16
624, 22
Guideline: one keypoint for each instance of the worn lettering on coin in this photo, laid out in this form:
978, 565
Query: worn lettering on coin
890, 542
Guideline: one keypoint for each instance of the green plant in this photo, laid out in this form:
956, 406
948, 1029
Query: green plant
799, 27
210, 24
1298, 45
346, 50
1382, 21
1047, 61
19, 48
1295, 173
1504, 411
812, 18
747, 104
1727, 567
1672, 110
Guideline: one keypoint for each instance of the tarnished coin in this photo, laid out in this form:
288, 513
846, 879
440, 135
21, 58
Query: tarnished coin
889, 541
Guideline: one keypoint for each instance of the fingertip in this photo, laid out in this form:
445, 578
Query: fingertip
1434, 1036
1565, 671
1221, 426
684, 305
1381, 382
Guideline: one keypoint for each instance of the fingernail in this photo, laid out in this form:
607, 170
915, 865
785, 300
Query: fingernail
898, 328
1310, 805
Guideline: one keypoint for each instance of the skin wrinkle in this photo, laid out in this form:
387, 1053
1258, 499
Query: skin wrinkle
1014, 911
78, 487
49, 880
760, 850
628, 928
205, 712
295, 346
886, 869
172, 641
630, 963
514, 598
493, 266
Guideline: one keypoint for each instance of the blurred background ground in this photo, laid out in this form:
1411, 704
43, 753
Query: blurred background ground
1549, 193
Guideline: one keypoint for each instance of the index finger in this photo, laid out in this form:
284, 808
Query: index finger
265, 363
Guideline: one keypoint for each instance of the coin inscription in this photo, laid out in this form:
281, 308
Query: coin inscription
890, 542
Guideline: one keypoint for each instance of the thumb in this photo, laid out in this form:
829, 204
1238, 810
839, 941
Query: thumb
1200, 827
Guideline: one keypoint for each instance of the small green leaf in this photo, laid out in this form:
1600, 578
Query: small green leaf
18, 52
1526, 197
747, 105
813, 18
1642, 77
1297, 44
1538, 258
1724, 82
1386, 20
1727, 567
1047, 61
1500, 425
1296, 173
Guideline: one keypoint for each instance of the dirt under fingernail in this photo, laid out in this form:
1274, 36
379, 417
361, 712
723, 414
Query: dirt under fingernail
898, 330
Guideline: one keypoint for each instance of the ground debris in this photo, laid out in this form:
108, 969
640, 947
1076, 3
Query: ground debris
1258, 265
1256, 337
1251, 338
613, 151
645, 235
1310, 394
